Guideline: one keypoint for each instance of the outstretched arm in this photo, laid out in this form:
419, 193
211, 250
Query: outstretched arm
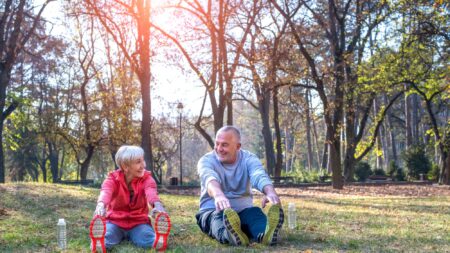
215, 191
105, 196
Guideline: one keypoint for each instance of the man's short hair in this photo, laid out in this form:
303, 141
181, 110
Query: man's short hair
233, 129
127, 154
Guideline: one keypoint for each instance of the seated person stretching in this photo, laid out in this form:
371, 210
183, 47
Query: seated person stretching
227, 176
125, 198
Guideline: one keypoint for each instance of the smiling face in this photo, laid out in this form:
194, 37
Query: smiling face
135, 168
227, 146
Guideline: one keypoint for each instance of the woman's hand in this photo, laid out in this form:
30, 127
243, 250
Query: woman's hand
100, 209
157, 208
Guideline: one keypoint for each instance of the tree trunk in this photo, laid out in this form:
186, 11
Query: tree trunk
316, 143
294, 155
2, 157
379, 158
415, 119
276, 123
84, 166
144, 74
42, 163
334, 124
289, 147
308, 132
385, 146
390, 135
446, 177
335, 163
61, 163
408, 120
349, 159
53, 157
264, 103
325, 152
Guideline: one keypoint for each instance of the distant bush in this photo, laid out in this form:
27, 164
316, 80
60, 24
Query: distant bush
303, 176
400, 175
416, 161
392, 168
395, 172
433, 174
379, 172
362, 171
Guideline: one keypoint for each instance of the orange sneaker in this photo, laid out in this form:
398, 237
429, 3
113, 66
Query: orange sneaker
97, 231
162, 230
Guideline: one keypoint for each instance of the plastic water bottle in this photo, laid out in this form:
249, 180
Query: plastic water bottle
292, 216
61, 234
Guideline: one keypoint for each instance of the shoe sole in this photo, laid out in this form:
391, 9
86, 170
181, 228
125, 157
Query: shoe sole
97, 234
232, 223
162, 230
275, 219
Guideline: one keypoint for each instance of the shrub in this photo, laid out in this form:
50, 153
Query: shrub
311, 176
379, 172
433, 174
395, 172
416, 161
303, 176
399, 175
392, 168
362, 171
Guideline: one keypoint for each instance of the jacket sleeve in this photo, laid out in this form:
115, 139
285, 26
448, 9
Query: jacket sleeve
150, 190
107, 190
258, 175
206, 172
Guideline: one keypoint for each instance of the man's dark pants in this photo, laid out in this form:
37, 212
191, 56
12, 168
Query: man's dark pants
253, 223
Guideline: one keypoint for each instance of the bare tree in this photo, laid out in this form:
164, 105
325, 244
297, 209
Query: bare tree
211, 22
125, 20
342, 25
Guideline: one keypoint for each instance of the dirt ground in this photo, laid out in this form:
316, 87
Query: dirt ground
349, 190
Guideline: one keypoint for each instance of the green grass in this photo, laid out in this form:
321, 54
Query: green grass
29, 213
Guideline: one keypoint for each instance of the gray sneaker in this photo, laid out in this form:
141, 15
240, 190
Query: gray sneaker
232, 224
275, 219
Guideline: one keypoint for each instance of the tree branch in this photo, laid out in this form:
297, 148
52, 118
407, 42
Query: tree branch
378, 125
10, 109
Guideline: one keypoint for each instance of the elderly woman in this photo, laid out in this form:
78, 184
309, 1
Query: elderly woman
124, 201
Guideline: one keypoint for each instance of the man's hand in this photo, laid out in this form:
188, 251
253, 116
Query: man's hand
100, 209
221, 202
270, 196
157, 208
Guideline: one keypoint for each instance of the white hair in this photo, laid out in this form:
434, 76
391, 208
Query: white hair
233, 129
127, 154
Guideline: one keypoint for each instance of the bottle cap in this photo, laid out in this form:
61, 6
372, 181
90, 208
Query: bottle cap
61, 221
291, 205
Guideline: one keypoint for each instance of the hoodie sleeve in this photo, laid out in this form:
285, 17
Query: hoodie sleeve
206, 172
150, 190
257, 173
107, 190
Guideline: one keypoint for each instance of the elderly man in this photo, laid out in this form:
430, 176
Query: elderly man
226, 212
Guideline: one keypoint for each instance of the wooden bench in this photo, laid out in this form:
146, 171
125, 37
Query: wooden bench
280, 180
379, 178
